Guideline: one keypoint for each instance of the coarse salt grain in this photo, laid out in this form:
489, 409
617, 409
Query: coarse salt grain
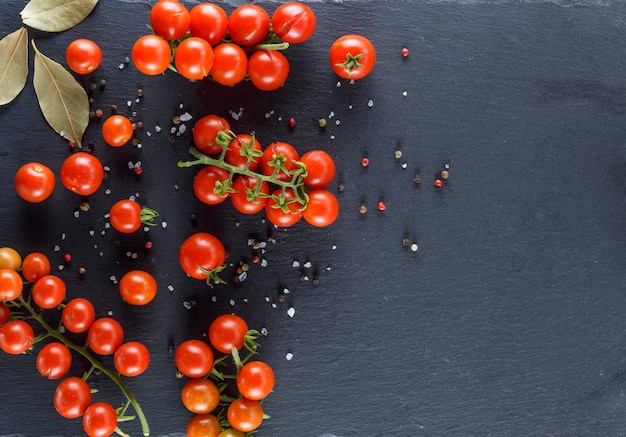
232, 302
289, 356
307, 264
370, 103
264, 331
264, 263
187, 305
56, 248
157, 128
295, 264
164, 225
110, 313
291, 312
76, 214
170, 287
185, 117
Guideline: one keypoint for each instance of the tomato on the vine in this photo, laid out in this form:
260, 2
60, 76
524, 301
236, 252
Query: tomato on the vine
322, 208
248, 25
49, 291
352, 56
35, 266
83, 56
105, 335
268, 69
245, 414
5, 313
132, 358
170, 19
275, 213
100, 420
320, 168
209, 22
82, 173
54, 360
151, 54
16, 337
231, 432
138, 287
230, 64
78, 315
11, 284
293, 22
200, 395
203, 425
238, 156
193, 58
205, 131
10, 258
228, 331
117, 130
194, 358
286, 153
255, 380
34, 182
240, 199
205, 182
201, 253
72, 397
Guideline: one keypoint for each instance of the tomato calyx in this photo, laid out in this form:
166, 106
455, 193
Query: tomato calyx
212, 276
147, 216
351, 62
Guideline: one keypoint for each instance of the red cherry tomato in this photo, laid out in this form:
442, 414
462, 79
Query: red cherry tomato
194, 58
49, 291
277, 216
34, 182
200, 395
239, 156
54, 360
170, 19
228, 331
16, 337
78, 315
193, 358
293, 22
204, 184
205, 131
125, 216
268, 69
10, 284
255, 380
132, 358
117, 130
10, 258
248, 24
82, 173
35, 265
72, 397
83, 56
199, 253
245, 414
204, 425
322, 209
5, 313
151, 54
209, 22
241, 200
138, 287
100, 420
105, 335
320, 168
284, 152
230, 64
352, 56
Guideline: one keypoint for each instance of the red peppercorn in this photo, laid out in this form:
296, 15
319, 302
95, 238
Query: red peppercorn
138, 170
291, 123
405, 52
148, 244
382, 206
67, 257
365, 162
438, 183
99, 113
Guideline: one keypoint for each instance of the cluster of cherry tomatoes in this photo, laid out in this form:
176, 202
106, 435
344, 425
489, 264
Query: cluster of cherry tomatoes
205, 41
274, 179
219, 410
104, 335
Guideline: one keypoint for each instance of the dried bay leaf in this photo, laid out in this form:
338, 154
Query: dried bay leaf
63, 101
56, 15
13, 64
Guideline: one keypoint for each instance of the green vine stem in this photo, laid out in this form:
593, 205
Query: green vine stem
95, 364
147, 216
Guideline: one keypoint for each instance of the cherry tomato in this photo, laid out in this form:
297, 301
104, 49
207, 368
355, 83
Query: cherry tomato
10, 258
293, 22
78, 315
49, 291
203, 425
245, 414
82, 173
54, 360
322, 209
230, 64
268, 69
352, 56
83, 56
117, 130
125, 216
205, 131
16, 337
248, 25
209, 22
255, 380
170, 19
100, 420
34, 182
138, 287
204, 184
231, 432
320, 168
35, 266
275, 213
11, 284
132, 358
238, 155
151, 54
193, 358
228, 331
200, 395
240, 199
72, 397
284, 152
194, 58
199, 253
5, 313
105, 335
